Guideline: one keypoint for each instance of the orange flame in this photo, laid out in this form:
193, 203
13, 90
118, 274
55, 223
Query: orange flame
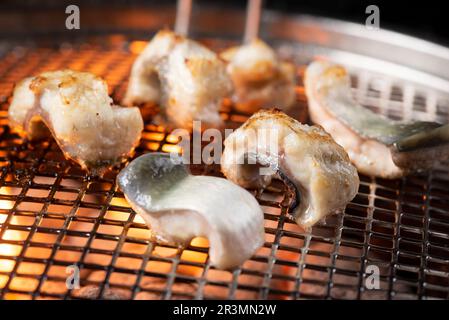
7, 249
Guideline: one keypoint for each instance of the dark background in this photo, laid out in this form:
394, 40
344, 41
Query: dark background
425, 19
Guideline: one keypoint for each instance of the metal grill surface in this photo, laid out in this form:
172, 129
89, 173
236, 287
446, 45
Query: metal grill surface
53, 215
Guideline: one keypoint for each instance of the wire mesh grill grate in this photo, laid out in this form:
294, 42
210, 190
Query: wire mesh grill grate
52, 215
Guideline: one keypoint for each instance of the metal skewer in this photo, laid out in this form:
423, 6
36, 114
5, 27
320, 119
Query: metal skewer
182, 22
252, 24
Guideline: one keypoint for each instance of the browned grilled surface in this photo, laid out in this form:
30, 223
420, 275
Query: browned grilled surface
52, 215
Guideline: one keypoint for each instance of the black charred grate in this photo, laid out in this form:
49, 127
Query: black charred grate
52, 215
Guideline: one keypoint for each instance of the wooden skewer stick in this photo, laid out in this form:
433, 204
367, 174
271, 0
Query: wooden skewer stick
253, 12
183, 10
